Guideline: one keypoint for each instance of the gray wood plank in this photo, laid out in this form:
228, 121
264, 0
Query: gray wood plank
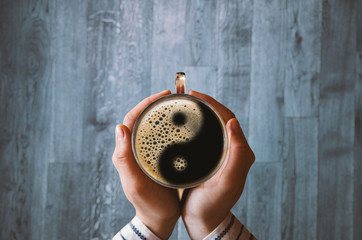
8, 50
359, 26
119, 72
264, 200
134, 56
99, 20
288, 180
302, 60
300, 179
24, 113
336, 121
13, 203
234, 37
267, 86
202, 79
71, 70
68, 210
168, 43
69, 35
200, 33
357, 191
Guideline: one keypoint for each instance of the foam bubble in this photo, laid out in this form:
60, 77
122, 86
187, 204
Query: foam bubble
169, 122
180, 163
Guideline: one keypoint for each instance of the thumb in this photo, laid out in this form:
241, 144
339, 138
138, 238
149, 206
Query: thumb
240, 156
123, 158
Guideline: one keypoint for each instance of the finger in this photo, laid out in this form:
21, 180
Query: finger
225, 113
132, 115
123, 158
240, 156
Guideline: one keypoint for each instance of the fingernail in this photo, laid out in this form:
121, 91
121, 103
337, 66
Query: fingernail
166, 91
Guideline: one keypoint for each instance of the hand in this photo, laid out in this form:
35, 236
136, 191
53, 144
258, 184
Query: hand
156, 206
206, 206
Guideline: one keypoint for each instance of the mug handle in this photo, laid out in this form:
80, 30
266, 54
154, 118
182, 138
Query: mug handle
180, 82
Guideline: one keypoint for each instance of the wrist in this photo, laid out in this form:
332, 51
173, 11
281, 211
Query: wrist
199, 227
161, 227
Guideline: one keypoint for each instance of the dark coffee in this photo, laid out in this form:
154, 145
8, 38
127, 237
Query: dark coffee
179, 141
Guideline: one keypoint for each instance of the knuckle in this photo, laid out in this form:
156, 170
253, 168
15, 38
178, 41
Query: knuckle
241, 148
114, 159
252, 156
118, 159
245, 151
121, 159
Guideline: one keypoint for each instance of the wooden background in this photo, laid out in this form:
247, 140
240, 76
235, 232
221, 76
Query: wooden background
70, 71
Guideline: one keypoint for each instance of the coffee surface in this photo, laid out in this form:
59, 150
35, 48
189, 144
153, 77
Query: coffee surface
179, 141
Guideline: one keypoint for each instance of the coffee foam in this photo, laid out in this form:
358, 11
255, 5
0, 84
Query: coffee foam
157, 130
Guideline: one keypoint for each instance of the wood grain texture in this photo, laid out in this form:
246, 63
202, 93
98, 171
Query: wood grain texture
70, 71
300, 179
234, 31
264, 200
102, 19
68, 210
359, 26
168, 43
202, 79
200, 33
12, 200
25, 73
336, 121
357, 183
69, 32
180, 231
302, 57
267, 86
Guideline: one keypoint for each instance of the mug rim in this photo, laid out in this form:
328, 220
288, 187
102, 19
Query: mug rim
222, 157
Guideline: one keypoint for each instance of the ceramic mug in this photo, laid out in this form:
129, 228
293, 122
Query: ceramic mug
179, 140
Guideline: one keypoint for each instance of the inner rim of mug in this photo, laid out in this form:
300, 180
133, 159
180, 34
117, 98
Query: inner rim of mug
220, 120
